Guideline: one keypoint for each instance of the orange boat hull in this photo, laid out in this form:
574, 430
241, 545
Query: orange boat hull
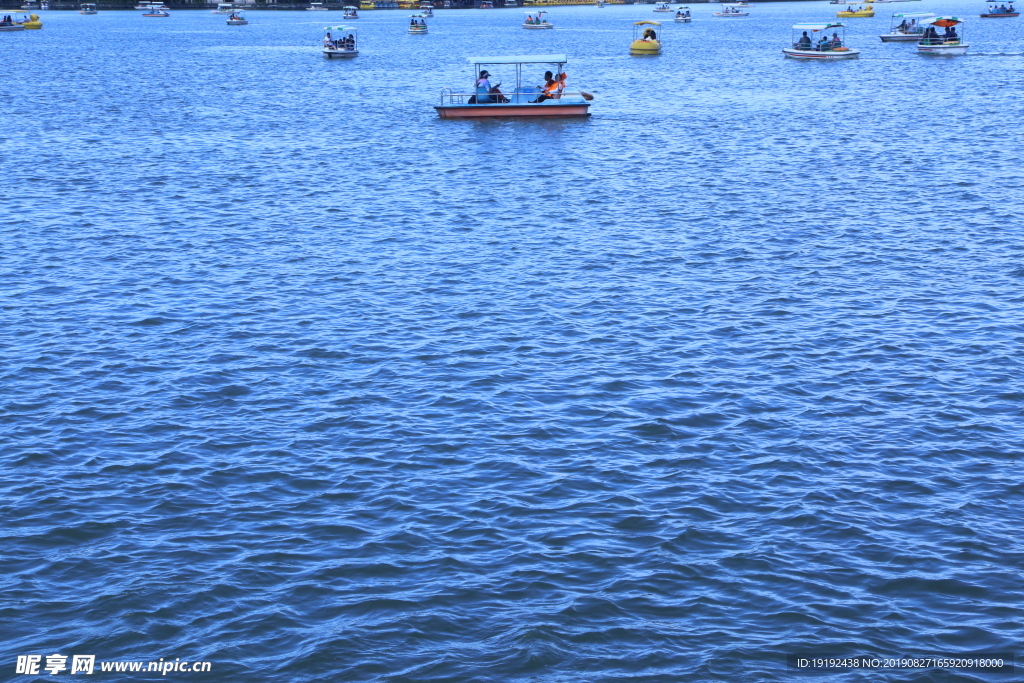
500, 110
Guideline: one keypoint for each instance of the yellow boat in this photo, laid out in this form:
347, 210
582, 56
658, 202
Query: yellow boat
33, 22
367, 5
868, 11
645, 39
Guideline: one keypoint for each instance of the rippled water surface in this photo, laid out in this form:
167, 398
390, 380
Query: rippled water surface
301, 380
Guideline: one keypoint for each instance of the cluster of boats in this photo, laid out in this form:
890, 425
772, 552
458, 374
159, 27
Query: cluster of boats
814, 42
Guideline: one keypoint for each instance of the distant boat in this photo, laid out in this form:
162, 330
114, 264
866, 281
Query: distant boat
418, 24
351, 12
236, 19
88, 8
156, 13
316, 7
224, 8
906, 27
932, 43
537, 20
805, 46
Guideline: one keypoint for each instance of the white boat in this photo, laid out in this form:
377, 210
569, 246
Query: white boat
350, 12
728, 11
316, 7
87, 8
489, 101
153, 12
427, 10
662, 7
236, 19
906, 28
537, 20
5, 26
418, 24
683, 15
223, 8
31, 5
947, 43
599, 3
341, 41
819, 47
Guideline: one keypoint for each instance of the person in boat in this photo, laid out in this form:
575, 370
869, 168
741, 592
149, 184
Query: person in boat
804, 43
836, 42
649, 34
931, 36
902, 26
550, 85
350, 42
950, 35
483, 89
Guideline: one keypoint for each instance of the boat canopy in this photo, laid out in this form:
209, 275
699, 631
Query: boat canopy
641, 23
815, 27
915, 15
346, 29
349, 7
943, 21
521, 59
417, 16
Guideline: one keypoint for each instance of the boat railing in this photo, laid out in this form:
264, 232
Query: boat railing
526, 95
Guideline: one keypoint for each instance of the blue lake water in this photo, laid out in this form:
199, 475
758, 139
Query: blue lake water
301, 380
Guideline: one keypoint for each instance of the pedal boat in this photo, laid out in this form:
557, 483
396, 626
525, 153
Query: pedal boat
156, 13
88, 8
316, 7
995, 13
816, 49
418, 27
223, 8
860, 13
521, 102
236, 19
729, 11
683, 15
333, 37
350, 12
662, 7
645, 39
537, 20
911, 27
940, 45
427, 10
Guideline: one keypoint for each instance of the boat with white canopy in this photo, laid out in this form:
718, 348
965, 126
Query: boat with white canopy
662, 7
341, 41
427, 10
489, 101
906, 27
537, 20
683, 15
236, 18
730, 11
88, 8
948, 42
418, 24
316, 7
812, 41
350, 12
223, 8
